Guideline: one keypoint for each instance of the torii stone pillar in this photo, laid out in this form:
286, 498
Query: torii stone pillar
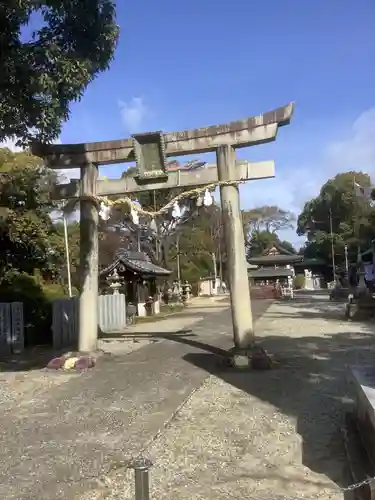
242, 318
150, 151
89, 260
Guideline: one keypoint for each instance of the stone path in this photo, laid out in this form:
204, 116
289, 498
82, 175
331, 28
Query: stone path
141, 334
62, 433
263, 435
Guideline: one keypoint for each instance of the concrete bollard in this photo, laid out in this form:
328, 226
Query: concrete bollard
141, 467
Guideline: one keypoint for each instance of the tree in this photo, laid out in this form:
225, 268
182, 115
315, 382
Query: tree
157, 242
74, 250
32, 251
352, 219
267, 218
41, 76
199, 234
29, 241
261, 225
288, 246
200, 238
260, 241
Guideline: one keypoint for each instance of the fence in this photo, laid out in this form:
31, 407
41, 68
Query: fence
12, 330
65, 323
141, 467
112, 313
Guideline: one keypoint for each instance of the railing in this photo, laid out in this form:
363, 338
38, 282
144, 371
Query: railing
141, 467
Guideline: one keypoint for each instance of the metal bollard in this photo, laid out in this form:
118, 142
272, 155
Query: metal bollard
141, 468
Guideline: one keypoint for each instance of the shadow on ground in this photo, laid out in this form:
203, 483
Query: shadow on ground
37, 358
311, 383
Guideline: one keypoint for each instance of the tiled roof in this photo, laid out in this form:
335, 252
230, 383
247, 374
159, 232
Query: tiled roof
270, 273
137, 262
263, 259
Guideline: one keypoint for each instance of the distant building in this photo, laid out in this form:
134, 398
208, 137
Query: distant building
276, 263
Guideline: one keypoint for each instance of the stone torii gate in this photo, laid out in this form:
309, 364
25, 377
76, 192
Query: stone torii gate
150, 152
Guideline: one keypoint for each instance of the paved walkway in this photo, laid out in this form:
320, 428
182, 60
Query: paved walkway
59, 433
263, 435
142, 334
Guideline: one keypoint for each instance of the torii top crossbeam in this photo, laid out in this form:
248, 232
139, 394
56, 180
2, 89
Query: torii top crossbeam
250, 131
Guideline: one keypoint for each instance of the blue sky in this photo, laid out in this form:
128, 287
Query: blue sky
191, 64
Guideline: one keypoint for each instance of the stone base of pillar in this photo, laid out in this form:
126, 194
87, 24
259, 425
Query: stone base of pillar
254, 358
241, 361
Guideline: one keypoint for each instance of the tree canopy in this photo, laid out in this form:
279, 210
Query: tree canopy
352, 218
164, 237
267, 218
41, 74
261, 226
29, 240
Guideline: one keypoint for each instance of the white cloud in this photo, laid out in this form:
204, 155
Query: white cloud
133, 114
357, 152
293, 186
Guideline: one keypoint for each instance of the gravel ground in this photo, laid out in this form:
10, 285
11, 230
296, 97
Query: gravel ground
263, 435
23, 387
21, 390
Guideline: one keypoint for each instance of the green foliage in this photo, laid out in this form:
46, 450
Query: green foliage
352, 219
199, 239
37, 299
267, 218
41, 76
261, 225
32, 251
74, 250
288, 246
28, 239
260, 241
299, 282
199, 233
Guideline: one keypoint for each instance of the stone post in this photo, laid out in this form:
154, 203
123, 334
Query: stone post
89, 260
238, 282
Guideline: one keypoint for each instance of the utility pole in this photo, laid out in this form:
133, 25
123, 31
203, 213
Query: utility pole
332, 244
157, 236
65, 222
220, 266
178, 259
214, 269
346, 259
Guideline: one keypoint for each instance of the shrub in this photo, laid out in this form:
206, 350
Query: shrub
299, 282
37, 298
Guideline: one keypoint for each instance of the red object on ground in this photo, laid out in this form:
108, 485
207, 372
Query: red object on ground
85, 363
56, 363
